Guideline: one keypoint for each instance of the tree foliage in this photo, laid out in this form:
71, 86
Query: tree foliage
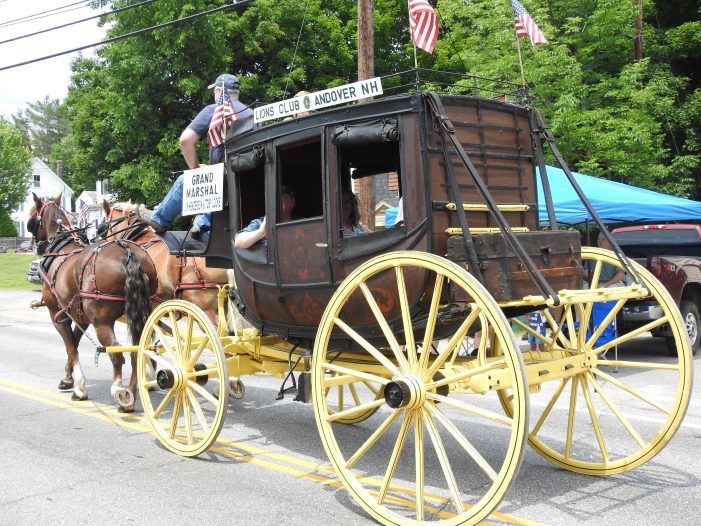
44, 123
635, 121
15, 167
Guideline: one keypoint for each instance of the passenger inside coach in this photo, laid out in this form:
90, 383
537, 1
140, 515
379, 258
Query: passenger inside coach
255, 232
350, 216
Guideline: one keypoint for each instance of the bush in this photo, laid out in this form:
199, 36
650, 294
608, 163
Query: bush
7, 226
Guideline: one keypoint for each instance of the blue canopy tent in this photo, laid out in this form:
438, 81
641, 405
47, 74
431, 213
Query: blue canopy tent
613, 202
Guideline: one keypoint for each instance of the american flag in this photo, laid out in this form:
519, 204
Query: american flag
525, 25
82, 216
424, 24
224, 115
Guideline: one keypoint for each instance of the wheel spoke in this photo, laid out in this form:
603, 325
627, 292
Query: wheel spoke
354, 394
176, 414
478, 411
188, 338
202, 372
632, 334
360, 375
419, 462
197, 353
630, 390
195, 404
549, 407
164, 403
444, 461
372, 439
394, 458
203, 393
340, 398
188, 418
622, 419
459, 335
463, 441
498, 364
641, 365
368, 347
386, 330
176, 334
594, 419
557, 326
158, 359
431, 322
406, 319
165, 343
570, 417
355, 410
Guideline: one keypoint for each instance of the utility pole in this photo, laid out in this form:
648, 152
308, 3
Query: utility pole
366, 70
638, 33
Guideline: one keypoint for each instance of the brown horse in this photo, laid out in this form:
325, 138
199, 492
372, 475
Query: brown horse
182, 277
86, 284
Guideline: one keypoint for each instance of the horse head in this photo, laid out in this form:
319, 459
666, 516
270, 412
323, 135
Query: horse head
46, 219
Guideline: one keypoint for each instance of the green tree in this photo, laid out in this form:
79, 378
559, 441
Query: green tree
15, 167
45, 123
7, 226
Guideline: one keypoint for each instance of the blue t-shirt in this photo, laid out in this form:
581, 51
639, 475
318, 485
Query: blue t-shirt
200, 125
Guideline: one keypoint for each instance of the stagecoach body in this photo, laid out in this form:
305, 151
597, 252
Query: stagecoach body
285, 284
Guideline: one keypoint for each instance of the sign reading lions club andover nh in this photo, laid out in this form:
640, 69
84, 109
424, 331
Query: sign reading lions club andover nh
319, 99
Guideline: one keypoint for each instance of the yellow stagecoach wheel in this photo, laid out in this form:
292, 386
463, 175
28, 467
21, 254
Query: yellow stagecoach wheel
186, 401
621, 412
438, 450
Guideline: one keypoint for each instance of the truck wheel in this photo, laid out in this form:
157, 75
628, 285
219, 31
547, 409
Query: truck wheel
690, 315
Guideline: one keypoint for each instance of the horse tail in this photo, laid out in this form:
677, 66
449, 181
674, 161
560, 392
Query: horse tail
138, 302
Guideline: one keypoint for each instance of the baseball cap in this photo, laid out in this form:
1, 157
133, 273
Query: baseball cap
229, 81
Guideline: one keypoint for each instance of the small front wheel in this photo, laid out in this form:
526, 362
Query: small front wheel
186, 401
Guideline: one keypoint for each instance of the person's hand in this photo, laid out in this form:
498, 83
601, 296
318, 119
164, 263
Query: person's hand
261, 228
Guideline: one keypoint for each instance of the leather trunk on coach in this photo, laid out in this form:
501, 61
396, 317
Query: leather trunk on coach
556, 254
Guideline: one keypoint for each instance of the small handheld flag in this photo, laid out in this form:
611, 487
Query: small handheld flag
424, 24
224, 115
525, 25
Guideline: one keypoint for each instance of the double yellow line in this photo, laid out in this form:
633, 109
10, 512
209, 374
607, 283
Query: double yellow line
316, 472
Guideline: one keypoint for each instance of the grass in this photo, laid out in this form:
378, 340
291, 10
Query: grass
14, 271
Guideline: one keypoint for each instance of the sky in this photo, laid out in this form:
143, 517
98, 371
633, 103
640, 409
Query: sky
33, 82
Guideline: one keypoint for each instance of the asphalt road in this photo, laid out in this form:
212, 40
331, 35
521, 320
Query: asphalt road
64, 462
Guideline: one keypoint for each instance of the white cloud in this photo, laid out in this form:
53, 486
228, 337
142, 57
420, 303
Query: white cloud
51, 77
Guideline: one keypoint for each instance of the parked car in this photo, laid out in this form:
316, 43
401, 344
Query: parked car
24, 248
33, 271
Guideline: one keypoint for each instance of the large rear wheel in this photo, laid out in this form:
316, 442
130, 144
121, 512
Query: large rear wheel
186, 401
620, 411
436, 448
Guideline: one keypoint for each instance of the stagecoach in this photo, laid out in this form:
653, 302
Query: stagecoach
403, 339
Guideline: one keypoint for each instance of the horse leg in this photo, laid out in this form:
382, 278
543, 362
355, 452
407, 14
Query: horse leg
106, 336
72, 374
132, 385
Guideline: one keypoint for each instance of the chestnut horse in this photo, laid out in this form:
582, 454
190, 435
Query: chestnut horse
86, 284
182, 277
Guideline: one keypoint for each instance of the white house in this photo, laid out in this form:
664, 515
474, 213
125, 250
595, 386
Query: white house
46, 184
89, 206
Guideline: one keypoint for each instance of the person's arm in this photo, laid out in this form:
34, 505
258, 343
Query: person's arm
248, 238
188, 145
618, 276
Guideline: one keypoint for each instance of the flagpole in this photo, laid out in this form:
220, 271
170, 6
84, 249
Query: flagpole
520, 61
413, 43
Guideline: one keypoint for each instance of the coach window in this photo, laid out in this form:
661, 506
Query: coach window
299, 170
370, 152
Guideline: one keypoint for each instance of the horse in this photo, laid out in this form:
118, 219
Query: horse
91, 284
183, 277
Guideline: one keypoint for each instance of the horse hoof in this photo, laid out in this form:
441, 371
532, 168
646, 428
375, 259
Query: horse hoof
121, 409
124, 397
77, 398
65, 386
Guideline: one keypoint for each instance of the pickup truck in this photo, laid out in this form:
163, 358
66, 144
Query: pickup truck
672, 253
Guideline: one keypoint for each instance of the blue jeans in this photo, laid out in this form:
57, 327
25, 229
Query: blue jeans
172, 205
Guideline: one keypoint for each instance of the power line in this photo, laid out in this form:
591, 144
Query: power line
76, 22
127, 35
24, 18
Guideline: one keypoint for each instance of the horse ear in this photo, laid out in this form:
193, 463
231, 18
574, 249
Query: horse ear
58, 199
106, 207
37, 201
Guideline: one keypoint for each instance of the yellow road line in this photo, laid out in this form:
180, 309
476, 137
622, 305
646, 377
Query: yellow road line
246, 453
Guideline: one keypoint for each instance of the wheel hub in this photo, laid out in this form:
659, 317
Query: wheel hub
169, 378
405, 392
